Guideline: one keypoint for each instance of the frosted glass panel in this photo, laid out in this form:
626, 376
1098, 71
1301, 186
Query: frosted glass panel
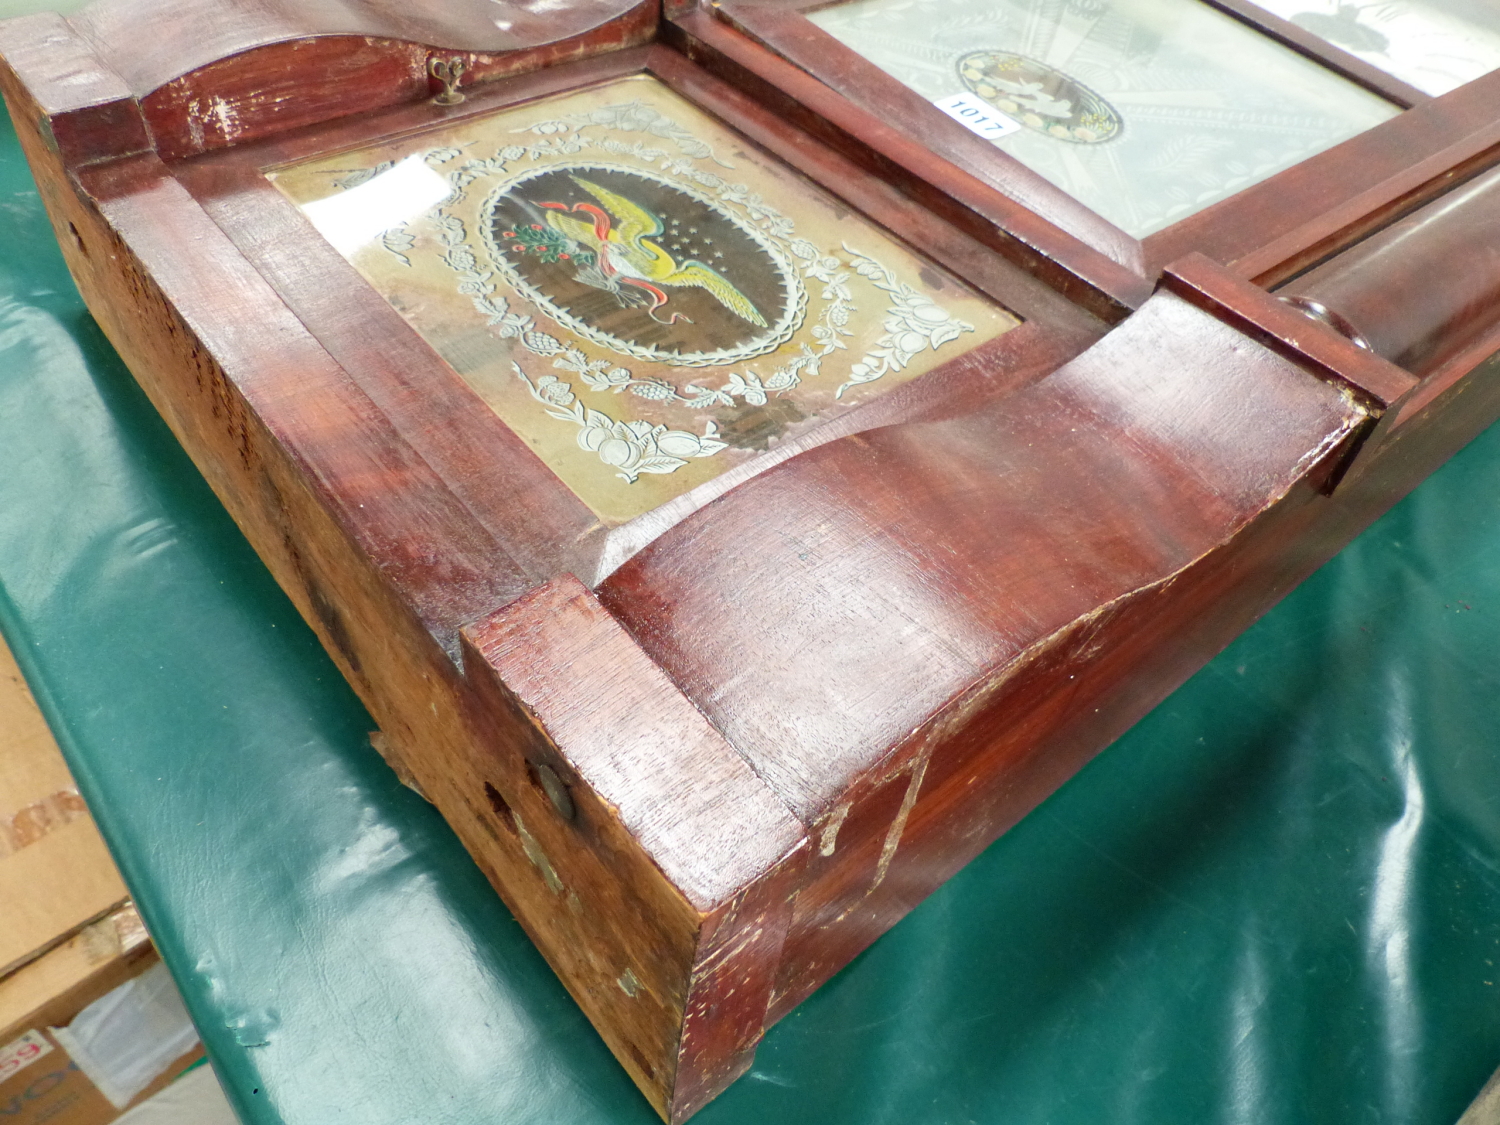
1143, 110
1434, 45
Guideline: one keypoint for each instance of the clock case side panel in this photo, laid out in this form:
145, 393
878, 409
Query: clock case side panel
495, 727
386, 565
915, 807
1022, 583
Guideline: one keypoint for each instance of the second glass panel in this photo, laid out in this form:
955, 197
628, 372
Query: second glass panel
1145, 111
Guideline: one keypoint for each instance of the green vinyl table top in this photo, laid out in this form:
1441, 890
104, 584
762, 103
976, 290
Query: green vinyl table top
1276, 899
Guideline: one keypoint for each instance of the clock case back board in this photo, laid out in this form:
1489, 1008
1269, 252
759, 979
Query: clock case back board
709, 750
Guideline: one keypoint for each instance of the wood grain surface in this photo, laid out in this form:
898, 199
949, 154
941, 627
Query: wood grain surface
1375, 380
81, 107
654, 791
1423, 289
176, 37
707, 756
207, 75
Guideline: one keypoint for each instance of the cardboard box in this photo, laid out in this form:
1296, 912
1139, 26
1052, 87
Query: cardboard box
55, 874
90, 1024
90, 1028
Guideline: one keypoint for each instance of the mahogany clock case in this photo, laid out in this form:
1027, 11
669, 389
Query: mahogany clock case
901, 567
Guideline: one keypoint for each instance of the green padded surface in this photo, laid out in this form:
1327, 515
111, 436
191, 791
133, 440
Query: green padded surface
1276, 900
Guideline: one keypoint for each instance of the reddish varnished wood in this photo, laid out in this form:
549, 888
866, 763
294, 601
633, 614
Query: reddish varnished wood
267, 90
1083, 526
669, 851
1205, 283
946, 525
1313, 209
1423, 289
83, 108
181, 36
992, 372
374, 484
814, 688
1049, 724
302, 459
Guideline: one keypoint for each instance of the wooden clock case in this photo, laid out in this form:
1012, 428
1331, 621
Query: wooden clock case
709, 753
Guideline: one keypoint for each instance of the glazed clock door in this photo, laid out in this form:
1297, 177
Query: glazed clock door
1145, 111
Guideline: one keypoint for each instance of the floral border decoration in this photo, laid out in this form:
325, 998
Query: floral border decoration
913, 322
631, 447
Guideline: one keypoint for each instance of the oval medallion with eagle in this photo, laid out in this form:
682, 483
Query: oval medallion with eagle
644, 266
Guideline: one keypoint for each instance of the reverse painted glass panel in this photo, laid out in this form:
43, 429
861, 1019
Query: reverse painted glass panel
1145, 111
643, 297
1434, 45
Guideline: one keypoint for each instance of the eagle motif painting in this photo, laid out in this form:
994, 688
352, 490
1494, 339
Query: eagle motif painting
614, 245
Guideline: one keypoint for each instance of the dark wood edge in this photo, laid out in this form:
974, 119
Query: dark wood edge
1208, 285
1321, 51
785, 59
1281, 262
1282, 225
86, 111
1466, 374
1446, 378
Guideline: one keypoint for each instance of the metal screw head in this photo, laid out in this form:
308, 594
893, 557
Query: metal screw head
556, 791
